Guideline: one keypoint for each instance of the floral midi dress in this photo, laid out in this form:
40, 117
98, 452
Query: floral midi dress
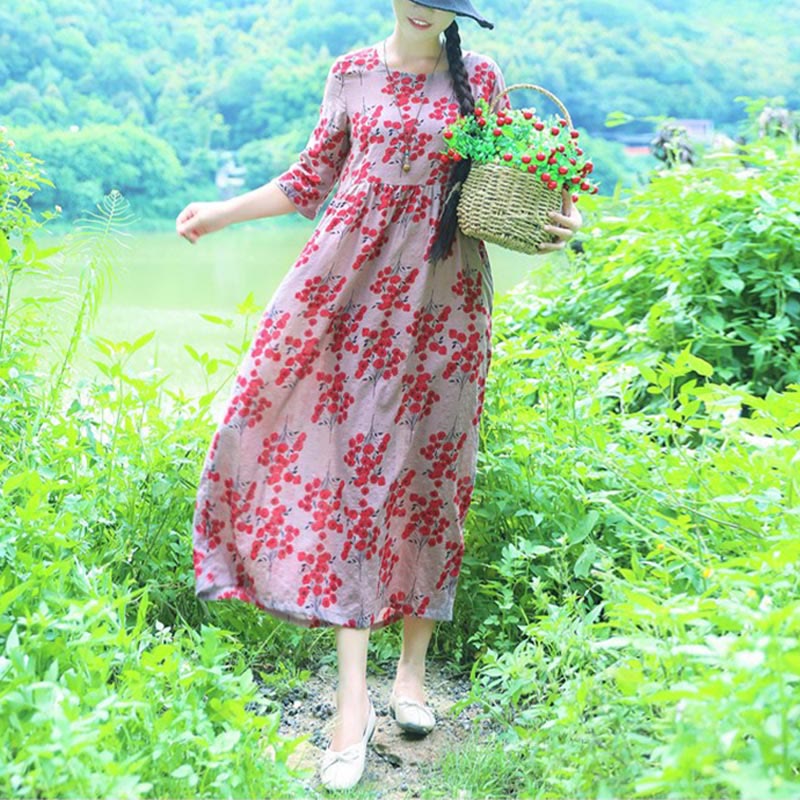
335, 488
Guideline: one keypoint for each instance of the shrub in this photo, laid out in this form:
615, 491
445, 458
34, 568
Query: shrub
704, 255
105, 690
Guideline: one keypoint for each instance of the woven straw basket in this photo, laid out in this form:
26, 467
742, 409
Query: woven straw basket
505, 206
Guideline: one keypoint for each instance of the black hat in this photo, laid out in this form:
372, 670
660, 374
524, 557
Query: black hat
461, 7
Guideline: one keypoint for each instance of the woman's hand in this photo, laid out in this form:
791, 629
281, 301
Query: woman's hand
198, 219
566, 224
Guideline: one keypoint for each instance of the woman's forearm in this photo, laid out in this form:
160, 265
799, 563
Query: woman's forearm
265, 201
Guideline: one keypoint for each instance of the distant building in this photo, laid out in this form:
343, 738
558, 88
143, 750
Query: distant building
230, 176
699, 130
637, 150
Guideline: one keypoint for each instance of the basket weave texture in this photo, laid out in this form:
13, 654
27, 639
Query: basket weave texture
506, 206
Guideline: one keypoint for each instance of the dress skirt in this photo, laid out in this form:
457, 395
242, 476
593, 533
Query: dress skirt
336, 485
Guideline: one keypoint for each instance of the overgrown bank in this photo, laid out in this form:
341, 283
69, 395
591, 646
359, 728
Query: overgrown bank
630, 597
633, 585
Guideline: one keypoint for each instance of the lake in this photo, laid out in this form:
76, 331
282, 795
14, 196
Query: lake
164, 284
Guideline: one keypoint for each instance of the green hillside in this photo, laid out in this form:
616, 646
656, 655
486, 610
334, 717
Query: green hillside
203, 76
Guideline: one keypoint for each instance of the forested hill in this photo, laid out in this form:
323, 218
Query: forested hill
202, 75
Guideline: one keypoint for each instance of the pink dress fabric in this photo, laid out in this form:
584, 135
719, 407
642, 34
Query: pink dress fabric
335, 488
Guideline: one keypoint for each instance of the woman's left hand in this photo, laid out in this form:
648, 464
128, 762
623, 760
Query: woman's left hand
566, 224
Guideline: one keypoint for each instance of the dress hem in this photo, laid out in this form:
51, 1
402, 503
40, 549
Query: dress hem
305, 621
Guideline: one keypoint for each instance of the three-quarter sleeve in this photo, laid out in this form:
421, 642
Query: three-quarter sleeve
308, 182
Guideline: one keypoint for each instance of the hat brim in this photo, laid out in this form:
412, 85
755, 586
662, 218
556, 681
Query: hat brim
461, 8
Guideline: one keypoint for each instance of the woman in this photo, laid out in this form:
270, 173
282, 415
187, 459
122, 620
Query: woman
335, 489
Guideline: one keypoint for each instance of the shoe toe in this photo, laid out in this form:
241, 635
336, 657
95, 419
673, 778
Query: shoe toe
412, 716
342, 769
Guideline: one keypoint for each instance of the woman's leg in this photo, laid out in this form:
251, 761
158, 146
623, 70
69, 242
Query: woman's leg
352, 702
410, 679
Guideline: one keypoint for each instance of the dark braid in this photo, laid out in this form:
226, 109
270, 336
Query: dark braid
448, 221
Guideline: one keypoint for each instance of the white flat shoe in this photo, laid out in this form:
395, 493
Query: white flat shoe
412, 716
342, 769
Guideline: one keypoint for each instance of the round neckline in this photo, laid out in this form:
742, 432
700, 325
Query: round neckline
406, 72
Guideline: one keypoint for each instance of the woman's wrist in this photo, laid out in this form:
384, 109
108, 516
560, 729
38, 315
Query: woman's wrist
229, 212
265, 201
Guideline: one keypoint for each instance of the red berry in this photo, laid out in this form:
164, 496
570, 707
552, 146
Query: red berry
552, 185
563, 123
532, 168
595, 190
527, 114
482, 122
546, 177
478, 112
573, 162
585, 186
498, 132
562, 170
508, 157
588, 167
540, 156
579, 151
448, 134
574, 134
457, 157
539, 126
551, 160
575, 198
526, 159
555, 131
576, 180
560, 148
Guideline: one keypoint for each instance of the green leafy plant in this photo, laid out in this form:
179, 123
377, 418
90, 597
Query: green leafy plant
630, 573
545, 148
701, 256
112, 682
21, 176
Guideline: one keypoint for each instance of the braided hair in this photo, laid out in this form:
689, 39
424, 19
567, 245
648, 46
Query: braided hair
448, 221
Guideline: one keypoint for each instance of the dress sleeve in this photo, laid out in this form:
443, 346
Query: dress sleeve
308, 182
488, 81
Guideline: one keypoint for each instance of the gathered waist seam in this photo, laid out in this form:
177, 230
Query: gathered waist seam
380, 184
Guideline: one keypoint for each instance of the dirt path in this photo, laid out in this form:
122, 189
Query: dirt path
398, 766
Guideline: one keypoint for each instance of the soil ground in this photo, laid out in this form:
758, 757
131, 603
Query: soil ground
399, 766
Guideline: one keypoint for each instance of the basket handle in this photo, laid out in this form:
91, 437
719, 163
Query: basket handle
561, 107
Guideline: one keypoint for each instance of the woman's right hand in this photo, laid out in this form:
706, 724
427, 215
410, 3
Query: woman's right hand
198, 219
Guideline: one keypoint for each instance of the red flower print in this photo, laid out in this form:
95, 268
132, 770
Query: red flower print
273, 533
279, 454
381, 356
418, 399
339, 478
467, 355
428, 330
392, 285
319, 583
364, 457
345, 329
318, 296
334, 402
322, 503
442, 453
452, 566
